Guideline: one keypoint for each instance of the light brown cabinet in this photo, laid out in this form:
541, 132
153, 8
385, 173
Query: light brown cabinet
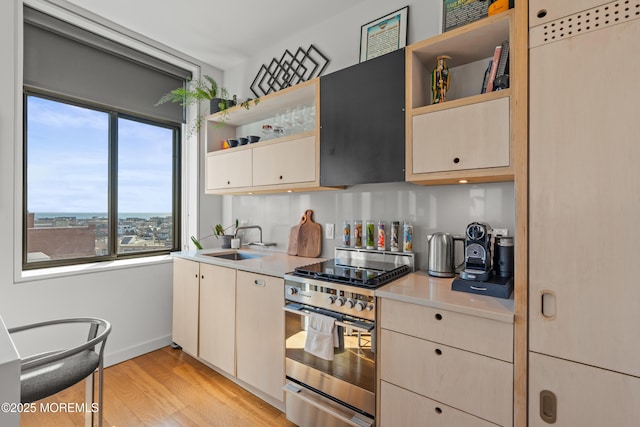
470, 136
442, 356
401, 407
289, 162
260, 332
186, 294
584, 182
467, 137
233, 320
231, 171
217, 316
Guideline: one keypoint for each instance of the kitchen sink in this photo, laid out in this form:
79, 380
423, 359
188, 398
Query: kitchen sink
235, 255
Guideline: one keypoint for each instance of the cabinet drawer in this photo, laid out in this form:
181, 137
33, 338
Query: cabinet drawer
400, 407
229, 170
476, 384
285, 163
479, 335
473, 136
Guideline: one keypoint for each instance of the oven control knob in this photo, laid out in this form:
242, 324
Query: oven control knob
370, 307
340, 302
351, 303
331, 299
292, 291
360, 306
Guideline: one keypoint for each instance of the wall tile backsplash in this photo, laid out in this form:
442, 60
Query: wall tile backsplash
447, 208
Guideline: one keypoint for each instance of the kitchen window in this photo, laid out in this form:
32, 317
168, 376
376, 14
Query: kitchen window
99, 185
101, 162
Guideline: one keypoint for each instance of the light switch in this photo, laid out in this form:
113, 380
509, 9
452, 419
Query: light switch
329, 231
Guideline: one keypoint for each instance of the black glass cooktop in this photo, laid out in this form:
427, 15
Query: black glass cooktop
371, 274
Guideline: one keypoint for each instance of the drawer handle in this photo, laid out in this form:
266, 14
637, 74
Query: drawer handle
438, 352
541, 13
202, 277
438, 316
259, 282
228, 182
456, 160
548, 404
280, 176
438, 410
196, 276
548, 305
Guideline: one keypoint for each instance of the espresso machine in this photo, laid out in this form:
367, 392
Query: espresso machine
477, 252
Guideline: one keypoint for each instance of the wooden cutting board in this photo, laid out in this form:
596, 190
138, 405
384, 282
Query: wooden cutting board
293, 236
309, 237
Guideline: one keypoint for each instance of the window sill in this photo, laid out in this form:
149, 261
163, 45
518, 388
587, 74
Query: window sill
97, 267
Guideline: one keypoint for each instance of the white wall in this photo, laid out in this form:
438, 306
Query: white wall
437, 208
339, 38
135, 299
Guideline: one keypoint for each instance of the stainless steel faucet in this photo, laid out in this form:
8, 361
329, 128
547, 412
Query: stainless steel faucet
258, 243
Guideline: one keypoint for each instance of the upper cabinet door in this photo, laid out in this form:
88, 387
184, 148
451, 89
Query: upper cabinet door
362, 128
470, 137
585, 197
229, 170
285, 163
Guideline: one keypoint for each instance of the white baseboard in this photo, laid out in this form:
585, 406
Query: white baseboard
135, 351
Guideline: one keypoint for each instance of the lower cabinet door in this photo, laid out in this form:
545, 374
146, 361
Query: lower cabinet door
400, 407
260, 332
186, 288
567, 394
479, 385
217, 316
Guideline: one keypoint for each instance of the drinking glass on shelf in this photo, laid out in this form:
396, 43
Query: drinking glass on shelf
267, 130
298, 116
278, 125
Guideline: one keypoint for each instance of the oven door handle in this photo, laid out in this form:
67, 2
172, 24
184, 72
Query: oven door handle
361, 327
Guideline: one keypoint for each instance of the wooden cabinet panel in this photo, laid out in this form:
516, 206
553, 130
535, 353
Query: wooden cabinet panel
286, 162
584, 204
185, 305
400, 407
217, 316
585, 396
229, 170
260, 332
552, 9
470, 382
468, 137
484, 336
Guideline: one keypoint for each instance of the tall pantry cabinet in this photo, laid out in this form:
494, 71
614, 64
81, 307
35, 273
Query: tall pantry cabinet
584, 208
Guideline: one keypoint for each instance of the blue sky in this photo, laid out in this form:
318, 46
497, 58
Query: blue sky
67, 161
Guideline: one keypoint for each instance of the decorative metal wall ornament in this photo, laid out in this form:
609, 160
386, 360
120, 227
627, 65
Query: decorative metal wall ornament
289, 70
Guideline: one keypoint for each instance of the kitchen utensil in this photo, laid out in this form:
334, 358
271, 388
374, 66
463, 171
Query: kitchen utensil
309, 237
293, 237
441, 247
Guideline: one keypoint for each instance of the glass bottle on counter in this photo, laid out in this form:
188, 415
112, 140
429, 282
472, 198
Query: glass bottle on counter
371, 232
346, 234
407, 237
357, 233
394, 243
381, 236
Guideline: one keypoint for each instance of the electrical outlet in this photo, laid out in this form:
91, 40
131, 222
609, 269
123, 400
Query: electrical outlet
500, 231
329, 231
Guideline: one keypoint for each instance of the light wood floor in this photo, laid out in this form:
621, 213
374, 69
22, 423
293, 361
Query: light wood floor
164, 388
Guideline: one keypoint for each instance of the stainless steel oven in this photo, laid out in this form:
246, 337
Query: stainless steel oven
338, 392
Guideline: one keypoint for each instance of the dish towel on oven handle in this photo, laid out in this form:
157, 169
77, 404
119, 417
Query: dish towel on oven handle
322, 336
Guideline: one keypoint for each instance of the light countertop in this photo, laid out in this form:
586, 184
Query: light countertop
420, 288
272, 263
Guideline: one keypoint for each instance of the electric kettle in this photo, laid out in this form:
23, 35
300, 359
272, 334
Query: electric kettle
442, 254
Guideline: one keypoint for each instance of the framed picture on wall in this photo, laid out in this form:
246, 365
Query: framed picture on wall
384, 35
